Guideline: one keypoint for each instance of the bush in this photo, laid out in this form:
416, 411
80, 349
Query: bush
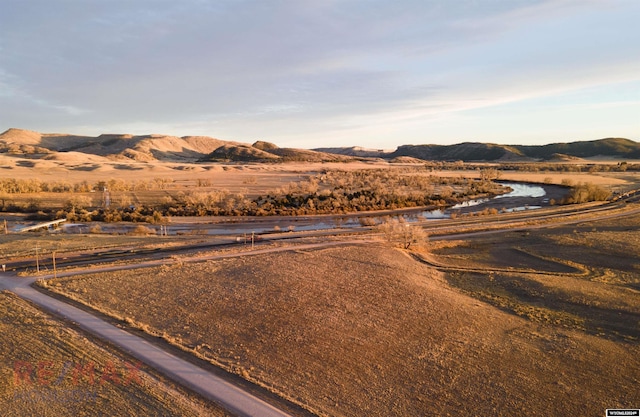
402, 233
367, 221
78, 202
142, 231
585, 192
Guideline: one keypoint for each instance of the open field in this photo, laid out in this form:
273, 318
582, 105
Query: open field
19, 246
230, 176
372, 331
49, 370
610, 180
584, 276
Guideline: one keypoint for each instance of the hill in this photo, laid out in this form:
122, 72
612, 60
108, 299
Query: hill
149, 148
357, 151
475, 151
237, 153
611, 147
469, 151
112, 146
268, 152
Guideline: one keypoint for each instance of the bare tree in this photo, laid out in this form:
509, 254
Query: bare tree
489, 174
402, 233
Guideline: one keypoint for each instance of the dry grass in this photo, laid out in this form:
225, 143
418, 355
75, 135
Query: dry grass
38, 376
370, 331
603, 179
15, 246
610, 179
232, 177
585, 276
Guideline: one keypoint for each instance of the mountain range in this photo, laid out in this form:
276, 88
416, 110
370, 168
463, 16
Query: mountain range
149, 148
477, 152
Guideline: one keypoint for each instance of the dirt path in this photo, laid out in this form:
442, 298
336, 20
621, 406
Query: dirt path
204, 383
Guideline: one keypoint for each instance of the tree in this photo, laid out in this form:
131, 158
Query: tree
585, 192
399, 232
78, 202
489, 174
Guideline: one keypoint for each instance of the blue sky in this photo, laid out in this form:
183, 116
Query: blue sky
322, 73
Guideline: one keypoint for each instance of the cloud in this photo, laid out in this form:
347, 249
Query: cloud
295, 68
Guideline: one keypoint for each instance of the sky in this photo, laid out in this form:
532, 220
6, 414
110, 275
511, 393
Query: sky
324, 73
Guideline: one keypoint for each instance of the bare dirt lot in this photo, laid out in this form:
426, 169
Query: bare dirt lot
49, 370
372, 331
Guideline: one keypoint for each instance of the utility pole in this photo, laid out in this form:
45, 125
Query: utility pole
253, 238
6, 229
37, 259
106, 197
406, 235
53, 255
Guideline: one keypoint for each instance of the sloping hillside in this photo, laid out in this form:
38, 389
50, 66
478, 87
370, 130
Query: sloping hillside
469, 151
268, 152
304, 155
476, 151
611, 147
357, 151
113, 146
149, 148
22, 137
237, 153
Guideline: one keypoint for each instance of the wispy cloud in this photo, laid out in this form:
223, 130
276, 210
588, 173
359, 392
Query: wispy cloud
294, 69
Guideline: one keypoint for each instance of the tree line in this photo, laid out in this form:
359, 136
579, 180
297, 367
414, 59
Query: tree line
34, 185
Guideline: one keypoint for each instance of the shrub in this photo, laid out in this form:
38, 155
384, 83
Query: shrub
401, 233
367, 221
585, 192
141, 230
78, 202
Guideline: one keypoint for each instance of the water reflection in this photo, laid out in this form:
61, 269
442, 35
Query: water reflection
518, 190
435, 214
523, 190
521, 208
471, 203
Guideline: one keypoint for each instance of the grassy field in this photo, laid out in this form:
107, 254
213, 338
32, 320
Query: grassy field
584, 276
49, 370
16, 246
371, 331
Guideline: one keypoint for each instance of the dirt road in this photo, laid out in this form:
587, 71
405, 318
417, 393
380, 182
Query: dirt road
204, 383
210, 386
